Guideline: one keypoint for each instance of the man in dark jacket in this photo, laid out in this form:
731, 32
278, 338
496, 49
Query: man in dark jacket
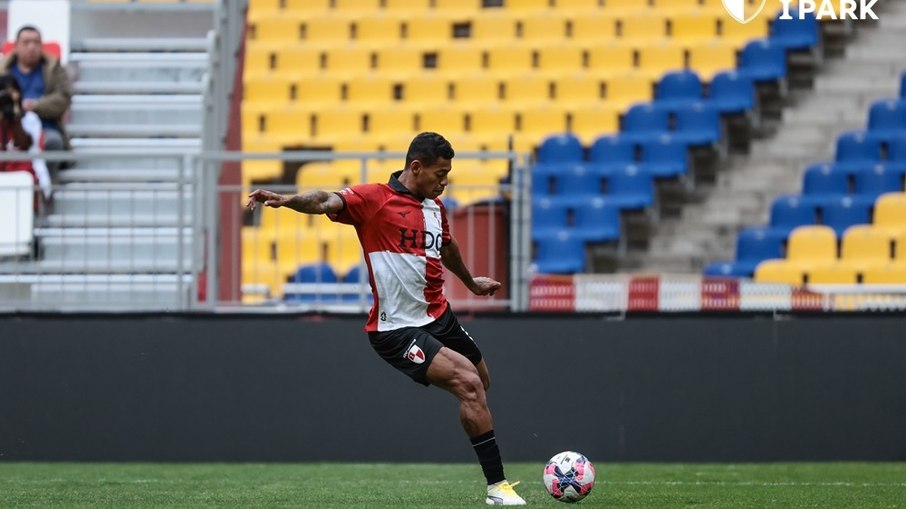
45, 87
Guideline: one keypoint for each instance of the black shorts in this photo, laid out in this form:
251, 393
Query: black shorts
411, 349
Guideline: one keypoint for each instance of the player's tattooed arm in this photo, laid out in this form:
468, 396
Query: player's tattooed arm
312, 202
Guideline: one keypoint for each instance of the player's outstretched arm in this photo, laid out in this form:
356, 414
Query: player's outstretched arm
312, 202
451, 257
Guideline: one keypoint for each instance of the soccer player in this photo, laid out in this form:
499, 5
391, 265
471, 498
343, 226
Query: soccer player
403, 229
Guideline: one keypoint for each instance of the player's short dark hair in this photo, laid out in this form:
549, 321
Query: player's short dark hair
428, 148
27, 28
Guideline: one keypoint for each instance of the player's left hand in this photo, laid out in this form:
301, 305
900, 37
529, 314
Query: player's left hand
484, 286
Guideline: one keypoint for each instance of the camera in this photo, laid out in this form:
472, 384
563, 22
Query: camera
7, 104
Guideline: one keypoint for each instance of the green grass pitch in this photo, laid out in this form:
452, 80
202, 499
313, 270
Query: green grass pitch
376, 486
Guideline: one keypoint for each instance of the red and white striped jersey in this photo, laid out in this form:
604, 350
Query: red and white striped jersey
401, 236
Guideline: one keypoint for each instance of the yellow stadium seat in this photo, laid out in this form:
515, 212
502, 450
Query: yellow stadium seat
778, 271
275, 30
262, 8
336, 122
460, 58
890, 211
540, 121
428, 88
611, 58
864, 244
626, 89
510, 58
662, 57
356, 6
389, 121
328, 176
543, 26
406, 5
306, 7
810, 246
267, 89
324, 29
626, 5
582, 6
527, 88
427, 29
371, 88
590, 121
524, 5
400, 59
375, 29
343, 250
649, 26
260, 59
300, 58
477, 88
596, 27
493, 27
298, 246
693, 26
440, 119
834, 273
739, 33
350, 59
561, 58
580, 88
319, 89
889, 274
456, 5
711, 58
490, 120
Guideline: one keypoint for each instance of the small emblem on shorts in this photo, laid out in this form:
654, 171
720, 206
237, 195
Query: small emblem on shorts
415, 354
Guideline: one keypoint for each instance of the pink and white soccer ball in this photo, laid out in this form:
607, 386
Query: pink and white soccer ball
569, 476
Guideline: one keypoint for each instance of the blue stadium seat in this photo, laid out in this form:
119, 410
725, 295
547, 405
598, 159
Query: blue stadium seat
631, 188
753, 246
644, 121
897, 149
842, 212
732, 92
763, 61
560, 148
357, 274
887, 118
665, 157
611, 153
543, 179
449, 202
563, 252
678, 88
598, 220
858, 149
698, 124
825, 179
550, 214
796, 34
313, 273
879, 179
788, 212
576, 180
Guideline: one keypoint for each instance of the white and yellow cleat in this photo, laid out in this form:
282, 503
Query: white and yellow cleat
503, 493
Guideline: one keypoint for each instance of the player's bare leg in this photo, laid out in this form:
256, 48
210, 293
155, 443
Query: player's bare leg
454, 373
483, 374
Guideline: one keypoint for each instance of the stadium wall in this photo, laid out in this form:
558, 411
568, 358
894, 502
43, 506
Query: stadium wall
308, 388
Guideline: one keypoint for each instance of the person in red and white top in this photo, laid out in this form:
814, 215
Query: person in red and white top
402, 227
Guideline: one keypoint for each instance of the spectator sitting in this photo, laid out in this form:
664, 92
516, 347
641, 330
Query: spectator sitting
21, 131
45, 87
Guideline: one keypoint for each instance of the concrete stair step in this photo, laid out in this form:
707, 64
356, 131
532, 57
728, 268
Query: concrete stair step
140, 45
164, 218
167, 145
120, 251
112, 130
137, 113
119, 175
138, 87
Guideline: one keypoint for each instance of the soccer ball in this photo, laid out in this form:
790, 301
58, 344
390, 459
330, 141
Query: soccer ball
569, 476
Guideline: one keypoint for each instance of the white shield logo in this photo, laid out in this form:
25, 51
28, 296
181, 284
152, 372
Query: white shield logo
743, 11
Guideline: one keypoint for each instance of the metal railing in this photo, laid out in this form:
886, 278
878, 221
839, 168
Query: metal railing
109, 238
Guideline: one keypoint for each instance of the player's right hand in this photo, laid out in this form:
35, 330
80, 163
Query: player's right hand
269, 199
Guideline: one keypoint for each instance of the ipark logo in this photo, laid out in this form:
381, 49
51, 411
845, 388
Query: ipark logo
744, 11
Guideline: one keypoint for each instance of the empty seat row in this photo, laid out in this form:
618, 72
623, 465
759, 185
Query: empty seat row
300, 61
554, 26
